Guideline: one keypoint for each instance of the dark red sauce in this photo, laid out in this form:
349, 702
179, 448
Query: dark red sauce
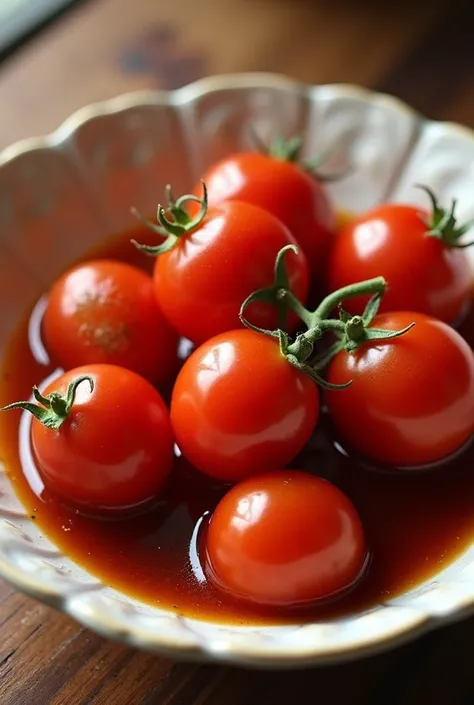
416, 524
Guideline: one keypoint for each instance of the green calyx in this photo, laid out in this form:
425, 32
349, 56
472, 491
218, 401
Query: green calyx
355, 331
276, 294
53, 410
443, 224
171, 229
350, 332
290, 150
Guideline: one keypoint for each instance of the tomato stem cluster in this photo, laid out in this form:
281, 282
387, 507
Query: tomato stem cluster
351, 331
52, 410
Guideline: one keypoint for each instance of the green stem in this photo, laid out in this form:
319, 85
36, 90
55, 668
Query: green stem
180, 224
52, 410
313, 334
369, 287
281, 149
443, 224
290, 150
355, 329
298, 308
277, 294
351, 331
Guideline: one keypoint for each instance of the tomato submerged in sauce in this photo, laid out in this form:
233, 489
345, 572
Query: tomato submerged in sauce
415, 524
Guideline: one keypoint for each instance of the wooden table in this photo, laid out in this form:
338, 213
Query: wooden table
421, 51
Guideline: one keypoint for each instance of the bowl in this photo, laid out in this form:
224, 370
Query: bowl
59, 196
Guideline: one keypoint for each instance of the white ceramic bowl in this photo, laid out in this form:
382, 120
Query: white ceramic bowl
61, 194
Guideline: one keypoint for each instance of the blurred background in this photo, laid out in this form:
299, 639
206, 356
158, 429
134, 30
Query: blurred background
58, 55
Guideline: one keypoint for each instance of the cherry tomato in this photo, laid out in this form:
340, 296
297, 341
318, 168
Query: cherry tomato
202, 281
285, 538
282, 188
106, 312
411, 401
239, 407
423, 272
114, 448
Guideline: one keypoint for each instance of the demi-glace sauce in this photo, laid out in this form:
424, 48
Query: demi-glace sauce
415, 524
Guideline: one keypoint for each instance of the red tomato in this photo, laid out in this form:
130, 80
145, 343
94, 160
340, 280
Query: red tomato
285, 538
282, 188
411, 401
239, 407
114, 450
106, 312
423, 272
203, 280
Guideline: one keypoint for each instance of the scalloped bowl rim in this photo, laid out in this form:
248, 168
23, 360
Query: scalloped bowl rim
417, 623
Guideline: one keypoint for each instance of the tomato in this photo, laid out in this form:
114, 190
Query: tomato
424, 273
286, 538
106, 312
202, 281
113, 448
239, 407
411, 401
284, 189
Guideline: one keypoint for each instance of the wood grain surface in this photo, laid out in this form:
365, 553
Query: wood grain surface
420, 51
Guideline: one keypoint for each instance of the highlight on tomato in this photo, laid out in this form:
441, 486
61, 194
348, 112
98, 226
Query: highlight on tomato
238, 407
208, 263
411, 401
106, 312
422, 256
286, 539
279, 180
102, 437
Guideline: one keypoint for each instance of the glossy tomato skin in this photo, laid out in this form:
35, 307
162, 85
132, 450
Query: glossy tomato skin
239, 407
286, 538
283, 189
422, 272
106, 312
115, 449
202, 282
411, 402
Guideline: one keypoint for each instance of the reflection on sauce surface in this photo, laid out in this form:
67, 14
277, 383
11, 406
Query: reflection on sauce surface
415, 524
